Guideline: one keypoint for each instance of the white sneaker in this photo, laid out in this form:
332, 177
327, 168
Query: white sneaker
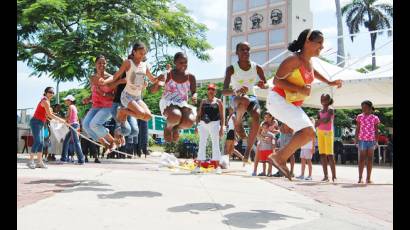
41, 164
31, 165
308, 178
218, 170
196, 170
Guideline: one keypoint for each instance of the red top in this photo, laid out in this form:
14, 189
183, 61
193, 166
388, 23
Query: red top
100, 101
308, 77
40, 113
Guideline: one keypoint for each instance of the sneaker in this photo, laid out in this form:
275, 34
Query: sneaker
31, 165
41, 165
308, 178
196, 170
261, 174
254, 174
80, 163
97, 161
218, 170
300, 177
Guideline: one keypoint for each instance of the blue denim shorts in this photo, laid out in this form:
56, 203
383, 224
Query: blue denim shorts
126, 98
252, 99
364, 145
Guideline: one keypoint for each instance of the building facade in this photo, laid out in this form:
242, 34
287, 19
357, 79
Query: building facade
268, 25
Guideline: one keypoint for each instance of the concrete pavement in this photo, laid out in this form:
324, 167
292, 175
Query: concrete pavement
137, 194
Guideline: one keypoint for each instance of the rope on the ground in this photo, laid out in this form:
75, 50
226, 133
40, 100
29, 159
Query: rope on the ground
118, 151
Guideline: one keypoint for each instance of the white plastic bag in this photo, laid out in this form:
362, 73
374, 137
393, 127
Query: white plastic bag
59, 129
169, 160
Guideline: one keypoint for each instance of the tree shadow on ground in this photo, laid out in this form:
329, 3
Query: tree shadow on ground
255, 219
124, 194
196, 208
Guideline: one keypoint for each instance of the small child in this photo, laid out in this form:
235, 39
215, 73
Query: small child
366, 135
306, 154
265, 148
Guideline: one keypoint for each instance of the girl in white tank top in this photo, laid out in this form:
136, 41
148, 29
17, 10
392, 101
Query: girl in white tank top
136, 70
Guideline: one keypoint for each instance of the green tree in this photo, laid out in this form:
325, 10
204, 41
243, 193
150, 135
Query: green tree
62, 38
372, 16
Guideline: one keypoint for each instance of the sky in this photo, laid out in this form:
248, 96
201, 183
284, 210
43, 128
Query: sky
213, 13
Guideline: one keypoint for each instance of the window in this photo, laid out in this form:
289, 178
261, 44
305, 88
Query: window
276, 36
256, 3
257, 39
259, 57
238, 5
235, 40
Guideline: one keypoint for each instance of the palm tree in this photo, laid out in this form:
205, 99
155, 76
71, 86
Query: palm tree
340, 45
372, 16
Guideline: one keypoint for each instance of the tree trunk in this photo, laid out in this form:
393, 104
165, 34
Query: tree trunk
373, 42
340, 45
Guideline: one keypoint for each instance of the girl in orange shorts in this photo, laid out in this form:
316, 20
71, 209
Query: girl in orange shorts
265, 148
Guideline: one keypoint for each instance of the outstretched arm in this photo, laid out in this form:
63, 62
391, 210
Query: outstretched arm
124, 67
320, 77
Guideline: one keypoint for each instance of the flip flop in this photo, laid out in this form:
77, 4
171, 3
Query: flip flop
284, 171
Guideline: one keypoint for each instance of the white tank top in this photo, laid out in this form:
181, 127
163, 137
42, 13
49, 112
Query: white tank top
244, 78
135, 77
230, 123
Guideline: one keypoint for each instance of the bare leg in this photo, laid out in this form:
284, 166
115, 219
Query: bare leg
303, 162
269, 169
332, 163
264, 167
362, 159
292, 164
253, 132
309, 163
255, 164
139, 110
238, 154
300, 138
186, 122
369, 165
174, 115
323, 160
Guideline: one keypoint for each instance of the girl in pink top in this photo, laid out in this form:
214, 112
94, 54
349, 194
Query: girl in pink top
366, 136
325, 136
178, 86
72, 119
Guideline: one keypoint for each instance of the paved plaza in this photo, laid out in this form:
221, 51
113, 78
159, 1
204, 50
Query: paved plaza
138, 194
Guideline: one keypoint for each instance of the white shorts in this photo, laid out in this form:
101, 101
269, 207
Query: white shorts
306, 154
290, 114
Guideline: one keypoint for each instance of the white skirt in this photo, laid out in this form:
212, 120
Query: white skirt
290, 114
163, 104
